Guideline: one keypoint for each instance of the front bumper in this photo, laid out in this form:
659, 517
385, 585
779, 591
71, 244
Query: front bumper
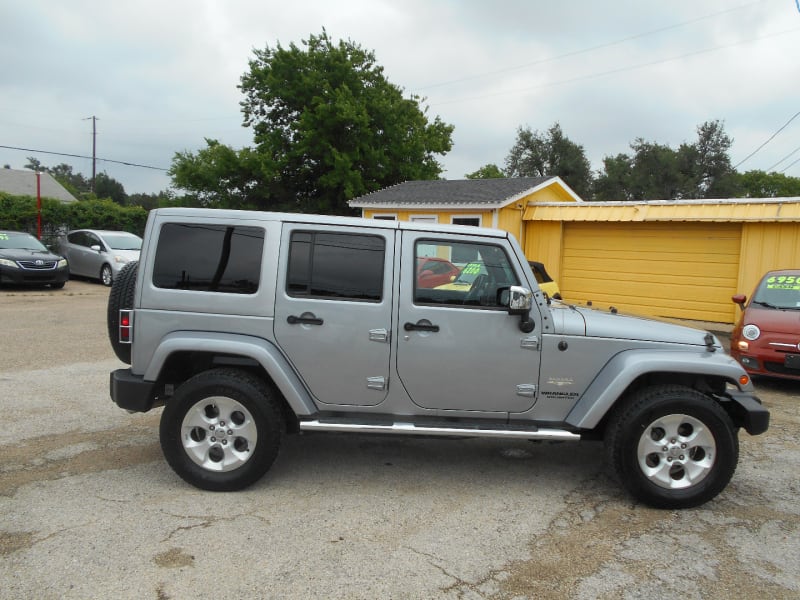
21, 276
747, 411
766, 363
132, 392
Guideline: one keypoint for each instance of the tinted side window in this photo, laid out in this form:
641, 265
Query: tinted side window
209, 258
336, 266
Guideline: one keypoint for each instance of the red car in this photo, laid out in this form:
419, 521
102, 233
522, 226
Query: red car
432, 272
766, 339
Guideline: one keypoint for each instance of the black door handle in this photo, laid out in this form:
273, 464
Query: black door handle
312, 320
420, 326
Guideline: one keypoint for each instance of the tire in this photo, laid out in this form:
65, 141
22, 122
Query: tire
106, 275
58, 286
672, 447
121, 297
222, 430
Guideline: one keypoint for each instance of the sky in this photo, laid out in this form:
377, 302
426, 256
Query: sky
161, 76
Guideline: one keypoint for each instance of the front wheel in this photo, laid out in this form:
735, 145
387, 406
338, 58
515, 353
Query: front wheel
106, 275
672, 446
222, 430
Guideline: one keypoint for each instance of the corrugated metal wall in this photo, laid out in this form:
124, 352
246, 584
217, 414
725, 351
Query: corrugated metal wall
766, 247
672, 269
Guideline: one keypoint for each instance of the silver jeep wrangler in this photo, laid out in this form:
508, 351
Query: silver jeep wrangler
247, 326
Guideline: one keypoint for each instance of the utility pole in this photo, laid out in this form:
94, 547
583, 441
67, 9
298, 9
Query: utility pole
94, 147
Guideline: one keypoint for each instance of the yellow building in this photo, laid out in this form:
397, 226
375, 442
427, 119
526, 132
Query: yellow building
680, 259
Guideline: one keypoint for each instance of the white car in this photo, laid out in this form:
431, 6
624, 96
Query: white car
100, 254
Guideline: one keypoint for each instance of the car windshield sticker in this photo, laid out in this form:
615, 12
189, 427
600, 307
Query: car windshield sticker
783, 282
3, 236
472, 269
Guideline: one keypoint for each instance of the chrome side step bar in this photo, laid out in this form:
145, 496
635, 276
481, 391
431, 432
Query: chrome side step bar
412, 429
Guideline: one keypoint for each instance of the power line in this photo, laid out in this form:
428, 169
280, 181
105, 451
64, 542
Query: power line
616, 71
108, 160
590, 49
790, 165
787, 157
797, 114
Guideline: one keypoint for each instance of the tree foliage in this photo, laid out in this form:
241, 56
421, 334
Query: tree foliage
490, 171
759, 184
328, 126
550, 154
20, 213
80, 186
657, 172
219, 175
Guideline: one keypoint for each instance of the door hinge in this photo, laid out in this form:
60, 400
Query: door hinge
530, 343
376, 383
379, 335
526, 389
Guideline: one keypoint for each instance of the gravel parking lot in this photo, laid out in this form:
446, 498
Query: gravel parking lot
91, 510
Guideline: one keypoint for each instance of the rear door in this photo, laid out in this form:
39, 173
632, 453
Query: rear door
333, 310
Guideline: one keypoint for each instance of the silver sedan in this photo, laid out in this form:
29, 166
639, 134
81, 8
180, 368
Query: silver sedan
99, 254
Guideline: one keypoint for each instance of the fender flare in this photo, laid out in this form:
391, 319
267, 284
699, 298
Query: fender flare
624, 368
260, 350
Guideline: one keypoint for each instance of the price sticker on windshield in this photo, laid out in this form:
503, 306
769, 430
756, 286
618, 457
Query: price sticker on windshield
472, 269
783, 282
3, 236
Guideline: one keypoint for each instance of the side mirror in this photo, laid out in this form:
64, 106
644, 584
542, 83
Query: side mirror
739, 299
96, 247
519, 301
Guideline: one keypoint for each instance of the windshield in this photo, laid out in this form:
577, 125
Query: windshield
123, 242
779, 291
20, 241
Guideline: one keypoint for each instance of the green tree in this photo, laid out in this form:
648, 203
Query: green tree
657, 172
490, 171
108, 187
328, 125
219, 175
712, 174
760, 184
551, 153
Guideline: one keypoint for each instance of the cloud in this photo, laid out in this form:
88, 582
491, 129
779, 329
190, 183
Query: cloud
162, 76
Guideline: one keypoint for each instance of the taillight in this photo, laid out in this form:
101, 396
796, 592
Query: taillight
125, 326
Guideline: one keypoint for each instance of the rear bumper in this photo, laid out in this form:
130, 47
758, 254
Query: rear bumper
132, 392
748, 412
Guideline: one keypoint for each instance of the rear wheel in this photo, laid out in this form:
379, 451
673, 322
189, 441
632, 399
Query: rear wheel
672, 446
222, 430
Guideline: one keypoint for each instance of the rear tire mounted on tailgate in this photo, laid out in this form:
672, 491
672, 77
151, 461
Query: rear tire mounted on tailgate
121, 297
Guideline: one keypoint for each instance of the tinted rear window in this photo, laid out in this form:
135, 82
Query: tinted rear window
209, 258
336, 266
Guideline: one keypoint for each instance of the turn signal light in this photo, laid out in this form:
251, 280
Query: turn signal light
744, 346
744, 380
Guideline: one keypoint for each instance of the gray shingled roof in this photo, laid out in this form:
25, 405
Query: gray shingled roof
485, 193
23, 183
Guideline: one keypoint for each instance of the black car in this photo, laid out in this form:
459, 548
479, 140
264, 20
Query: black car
24, 260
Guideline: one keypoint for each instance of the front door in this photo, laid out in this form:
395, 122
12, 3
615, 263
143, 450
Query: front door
333, 310
458, 348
